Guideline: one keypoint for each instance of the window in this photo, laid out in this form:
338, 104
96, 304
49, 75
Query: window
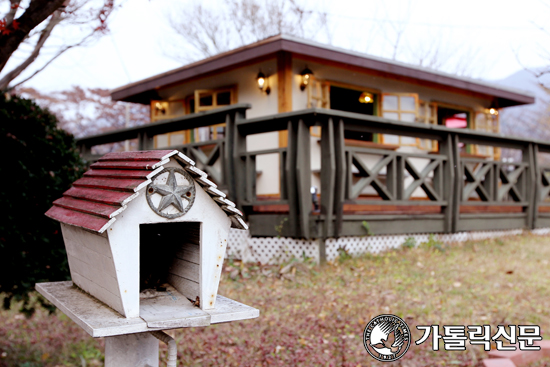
485, 121
164, 110
204, 100
427, 114
201, 100
401, 107
453, 117
318, 93
351, 98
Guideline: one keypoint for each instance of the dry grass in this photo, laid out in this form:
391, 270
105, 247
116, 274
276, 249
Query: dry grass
315, 316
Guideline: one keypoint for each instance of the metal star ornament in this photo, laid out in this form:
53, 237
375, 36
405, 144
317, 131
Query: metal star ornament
172, 193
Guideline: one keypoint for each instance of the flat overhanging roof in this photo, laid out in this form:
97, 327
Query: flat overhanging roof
145, 90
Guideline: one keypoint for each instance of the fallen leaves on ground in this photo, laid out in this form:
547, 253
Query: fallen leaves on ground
315, 315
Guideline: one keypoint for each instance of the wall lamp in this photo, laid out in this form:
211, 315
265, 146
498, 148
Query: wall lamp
159, 108
306, 77
262, 83
366, 97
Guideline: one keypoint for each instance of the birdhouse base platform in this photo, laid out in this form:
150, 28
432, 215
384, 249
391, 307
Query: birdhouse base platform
157, 313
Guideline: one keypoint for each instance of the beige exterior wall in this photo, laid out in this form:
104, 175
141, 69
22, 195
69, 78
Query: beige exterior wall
384, 85
244, 79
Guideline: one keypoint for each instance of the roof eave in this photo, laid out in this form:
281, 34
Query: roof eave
146, 90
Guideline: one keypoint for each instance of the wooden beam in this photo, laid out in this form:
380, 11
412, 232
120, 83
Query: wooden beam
303, 176
328, 175
340, 177
455, 197
284, 89
532, 184
291, 179
446, 148
237, 146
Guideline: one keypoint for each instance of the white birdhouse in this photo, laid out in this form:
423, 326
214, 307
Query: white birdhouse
146, 234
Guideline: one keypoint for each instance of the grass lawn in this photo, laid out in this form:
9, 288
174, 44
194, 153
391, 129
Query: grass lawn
315, 316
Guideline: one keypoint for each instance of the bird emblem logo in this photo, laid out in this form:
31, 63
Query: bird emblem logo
387, 338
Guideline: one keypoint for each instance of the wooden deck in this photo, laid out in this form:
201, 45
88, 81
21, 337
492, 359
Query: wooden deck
460, 192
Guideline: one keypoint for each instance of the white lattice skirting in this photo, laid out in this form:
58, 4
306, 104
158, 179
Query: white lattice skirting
273, 250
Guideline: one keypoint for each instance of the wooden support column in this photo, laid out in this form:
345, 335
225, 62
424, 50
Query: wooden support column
446, 148
529, 156
399, 178
235, 144
459, 174
303, 175
328, 175
132, 350
284, 89
145, 142
290, 175
84, 150
340, 176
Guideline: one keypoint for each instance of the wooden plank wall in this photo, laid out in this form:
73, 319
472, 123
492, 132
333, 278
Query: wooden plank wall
184, 271
170, 253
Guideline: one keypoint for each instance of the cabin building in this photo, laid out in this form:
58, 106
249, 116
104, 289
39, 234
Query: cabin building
313, 141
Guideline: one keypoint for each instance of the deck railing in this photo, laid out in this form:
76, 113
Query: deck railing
363, 186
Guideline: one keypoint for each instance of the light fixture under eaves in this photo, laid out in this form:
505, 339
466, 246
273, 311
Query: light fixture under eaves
261, 79
306, 77
366, 97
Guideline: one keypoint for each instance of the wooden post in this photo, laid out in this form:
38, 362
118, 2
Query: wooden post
284, 89
145, 142
529, 155
132, 350
322, 250
458, 177
399, 178
250, 181
291, 179
328, 174
340, 177
84, 150
446, 148
303, 176
235, 146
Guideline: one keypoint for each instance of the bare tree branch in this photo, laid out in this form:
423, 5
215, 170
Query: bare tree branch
72, 21
35, 14
59, 53
14, 5
54, 20
208, 31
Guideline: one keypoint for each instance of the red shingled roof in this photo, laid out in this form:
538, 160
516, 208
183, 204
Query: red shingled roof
114, 180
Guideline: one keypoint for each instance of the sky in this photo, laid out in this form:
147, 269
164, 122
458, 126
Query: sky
488, 39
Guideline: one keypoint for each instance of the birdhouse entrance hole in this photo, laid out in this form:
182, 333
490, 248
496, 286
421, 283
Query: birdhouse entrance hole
170, 256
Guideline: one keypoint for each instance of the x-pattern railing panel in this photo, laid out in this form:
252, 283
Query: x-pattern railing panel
478, 179
370, 177
396, 164
207, 161
493, 181
511, 183
421, 179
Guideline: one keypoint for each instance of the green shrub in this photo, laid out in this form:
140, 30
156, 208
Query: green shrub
410, 242
39, 162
